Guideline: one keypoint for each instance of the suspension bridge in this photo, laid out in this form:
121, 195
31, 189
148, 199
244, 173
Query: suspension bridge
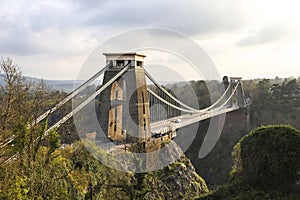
134, 107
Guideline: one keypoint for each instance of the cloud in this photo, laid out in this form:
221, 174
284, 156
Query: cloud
49, 30
265, 35
191, 17
53, 26
47, 27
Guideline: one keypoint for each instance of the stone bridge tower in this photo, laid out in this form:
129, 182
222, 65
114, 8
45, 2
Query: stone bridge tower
242, 115
124, 105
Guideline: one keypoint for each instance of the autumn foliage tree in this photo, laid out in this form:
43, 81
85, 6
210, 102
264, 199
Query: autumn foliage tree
25, 155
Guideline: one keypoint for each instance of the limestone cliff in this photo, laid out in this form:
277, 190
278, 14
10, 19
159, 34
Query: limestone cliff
176, 181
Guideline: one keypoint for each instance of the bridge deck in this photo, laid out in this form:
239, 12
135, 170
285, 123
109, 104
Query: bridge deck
172, 124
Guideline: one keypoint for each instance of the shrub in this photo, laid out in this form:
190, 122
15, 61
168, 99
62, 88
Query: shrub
269, 157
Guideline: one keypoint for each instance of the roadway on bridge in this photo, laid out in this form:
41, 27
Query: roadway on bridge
162, 127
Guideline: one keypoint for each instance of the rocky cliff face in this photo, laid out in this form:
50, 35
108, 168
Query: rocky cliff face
176, 181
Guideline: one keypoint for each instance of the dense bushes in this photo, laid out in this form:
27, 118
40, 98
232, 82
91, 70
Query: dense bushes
267, 166
269, 157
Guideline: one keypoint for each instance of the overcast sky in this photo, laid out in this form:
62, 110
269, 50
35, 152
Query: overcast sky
52, 38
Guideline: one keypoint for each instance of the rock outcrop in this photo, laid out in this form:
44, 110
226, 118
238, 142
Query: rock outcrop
176, 181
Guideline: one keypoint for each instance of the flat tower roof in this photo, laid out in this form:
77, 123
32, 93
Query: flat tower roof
236, 78
124, 54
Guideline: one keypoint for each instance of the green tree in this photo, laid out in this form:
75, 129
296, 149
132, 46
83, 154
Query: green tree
291, 88
33, 170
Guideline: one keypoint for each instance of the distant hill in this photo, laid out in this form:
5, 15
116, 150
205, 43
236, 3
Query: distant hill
69, 85
61, 85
